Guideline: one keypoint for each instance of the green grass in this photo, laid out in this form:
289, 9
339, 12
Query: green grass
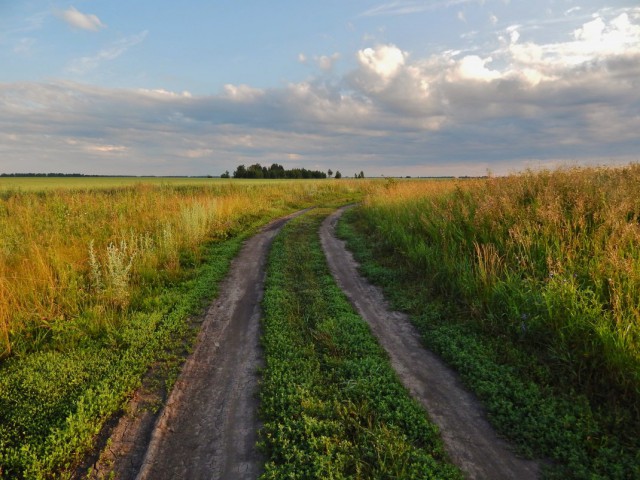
54, 403
331, 404
546, 419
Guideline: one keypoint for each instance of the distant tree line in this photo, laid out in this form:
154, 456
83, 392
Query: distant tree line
99, 176
274, 171
44, 175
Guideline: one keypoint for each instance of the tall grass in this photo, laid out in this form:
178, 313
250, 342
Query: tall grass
92, 253
549, 259
97, 287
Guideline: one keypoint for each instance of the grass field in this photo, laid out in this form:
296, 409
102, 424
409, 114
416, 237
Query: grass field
97, 284
530, 286
32, 184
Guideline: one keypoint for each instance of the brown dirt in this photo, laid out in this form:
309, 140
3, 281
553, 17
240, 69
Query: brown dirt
208, 427
470, 441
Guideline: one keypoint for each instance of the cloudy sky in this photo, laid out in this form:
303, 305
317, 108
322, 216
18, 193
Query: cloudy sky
433, 87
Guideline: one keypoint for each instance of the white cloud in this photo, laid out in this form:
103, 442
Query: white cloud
514, 102
595, 41
384, 60
83, 21
242, 93
198, 152
472, 67
162, 93
84, 65
97, 148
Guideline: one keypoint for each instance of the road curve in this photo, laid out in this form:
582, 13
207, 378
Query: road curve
470, 441
208, 428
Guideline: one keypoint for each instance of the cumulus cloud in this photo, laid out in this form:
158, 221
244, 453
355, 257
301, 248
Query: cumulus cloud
379, 65
242, 93
82, 21
452, 112
472, 67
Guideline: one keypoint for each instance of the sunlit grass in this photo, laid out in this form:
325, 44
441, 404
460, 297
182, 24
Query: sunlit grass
30, 184
551, 256
86, 251
527, 286
97, 286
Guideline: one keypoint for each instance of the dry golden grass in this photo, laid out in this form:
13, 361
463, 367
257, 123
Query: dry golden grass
71, 252
553, 254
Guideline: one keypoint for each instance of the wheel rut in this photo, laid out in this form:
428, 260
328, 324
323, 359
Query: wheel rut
208, 427
470, 441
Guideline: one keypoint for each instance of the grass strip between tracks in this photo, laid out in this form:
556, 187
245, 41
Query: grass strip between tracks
331, 404
543, 420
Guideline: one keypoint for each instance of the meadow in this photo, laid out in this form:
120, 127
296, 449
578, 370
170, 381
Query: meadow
97, 282
529, 285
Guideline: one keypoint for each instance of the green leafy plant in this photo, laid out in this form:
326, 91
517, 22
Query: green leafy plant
331, 403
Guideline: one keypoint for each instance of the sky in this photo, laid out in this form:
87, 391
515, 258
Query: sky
391, 88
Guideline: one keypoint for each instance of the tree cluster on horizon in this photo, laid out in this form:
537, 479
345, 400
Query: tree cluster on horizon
274, 171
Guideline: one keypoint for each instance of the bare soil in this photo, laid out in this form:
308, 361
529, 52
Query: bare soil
471, 442
208, 427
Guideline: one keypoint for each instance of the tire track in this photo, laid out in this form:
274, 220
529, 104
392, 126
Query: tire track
470, 441
208, 427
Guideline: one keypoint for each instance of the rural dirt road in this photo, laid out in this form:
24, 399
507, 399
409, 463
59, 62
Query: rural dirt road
208, 427
470, 441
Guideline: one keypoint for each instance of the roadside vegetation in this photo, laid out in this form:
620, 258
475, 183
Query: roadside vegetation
529, 285
97, 285
332, 405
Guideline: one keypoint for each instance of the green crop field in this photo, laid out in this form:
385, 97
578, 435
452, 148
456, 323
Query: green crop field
31, 184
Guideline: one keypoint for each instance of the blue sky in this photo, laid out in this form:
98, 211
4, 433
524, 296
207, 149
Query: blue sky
443, 87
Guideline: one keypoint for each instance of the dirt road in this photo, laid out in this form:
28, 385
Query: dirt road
208, 427
471, 442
